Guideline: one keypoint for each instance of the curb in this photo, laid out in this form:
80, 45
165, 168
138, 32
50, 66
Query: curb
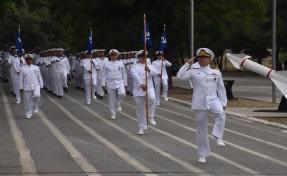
274, 124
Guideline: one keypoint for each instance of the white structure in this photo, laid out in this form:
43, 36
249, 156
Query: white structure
279, 78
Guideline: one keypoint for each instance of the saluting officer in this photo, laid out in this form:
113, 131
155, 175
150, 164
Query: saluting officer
30, 83
209, 95
114, 80
139, 91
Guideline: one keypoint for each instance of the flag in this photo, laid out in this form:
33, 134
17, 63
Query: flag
90, 42
19, 42
148, 38
163, 41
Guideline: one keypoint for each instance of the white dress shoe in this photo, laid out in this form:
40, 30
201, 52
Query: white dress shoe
119, 108
202, 160
141, 131
152, 121
18, 101
157, 103
35, 110
220, 143
94, 97
89, 102
28, 117
113, 117
165, 98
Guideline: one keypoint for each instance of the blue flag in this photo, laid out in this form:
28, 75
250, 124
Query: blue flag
19, 42
163, 41
148, 38
90, 42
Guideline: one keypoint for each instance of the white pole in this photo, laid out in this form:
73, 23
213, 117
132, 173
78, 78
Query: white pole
191, 28
274, 48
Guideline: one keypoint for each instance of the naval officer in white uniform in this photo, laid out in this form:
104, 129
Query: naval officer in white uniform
209, 95
160, 65
114, 80
30, 83
139, 91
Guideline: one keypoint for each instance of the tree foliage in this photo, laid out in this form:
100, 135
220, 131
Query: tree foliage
243, 25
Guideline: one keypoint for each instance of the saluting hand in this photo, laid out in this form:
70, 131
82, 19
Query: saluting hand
191, 60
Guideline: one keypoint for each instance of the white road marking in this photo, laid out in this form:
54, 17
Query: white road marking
231, 131
75, 154
122, 154
248, 170
185, 164
234, 145
26, 161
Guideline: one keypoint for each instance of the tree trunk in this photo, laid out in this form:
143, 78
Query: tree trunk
278, 64
259, 59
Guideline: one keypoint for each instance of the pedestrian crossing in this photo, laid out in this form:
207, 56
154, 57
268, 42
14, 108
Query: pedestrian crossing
87, 140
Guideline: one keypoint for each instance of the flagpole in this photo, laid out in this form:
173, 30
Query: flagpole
19, 30
161, 87
146, 82
91, 69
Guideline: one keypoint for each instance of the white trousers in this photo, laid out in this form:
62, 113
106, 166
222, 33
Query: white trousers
141, 111
88, 90
16, 89
157, 88
216, 108
59, 84
114, 99
64, 79
130, 83
31, 100
100, 90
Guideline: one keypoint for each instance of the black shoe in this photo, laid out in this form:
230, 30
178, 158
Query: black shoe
101, 97
65, 89
60, 97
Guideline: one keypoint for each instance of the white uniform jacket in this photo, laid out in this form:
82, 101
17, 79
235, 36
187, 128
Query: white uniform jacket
64, 65
208, 86
16, 64
87, 67
114, 75
30, 77
138, 74
101, 63
157, 65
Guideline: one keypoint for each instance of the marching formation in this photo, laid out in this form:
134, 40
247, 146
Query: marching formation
114, 77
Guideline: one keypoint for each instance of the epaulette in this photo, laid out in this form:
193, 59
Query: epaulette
214, 68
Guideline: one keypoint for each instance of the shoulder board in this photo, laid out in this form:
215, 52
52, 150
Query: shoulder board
214, 68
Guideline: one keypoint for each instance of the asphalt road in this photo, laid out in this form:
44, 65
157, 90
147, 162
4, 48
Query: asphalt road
68, 137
